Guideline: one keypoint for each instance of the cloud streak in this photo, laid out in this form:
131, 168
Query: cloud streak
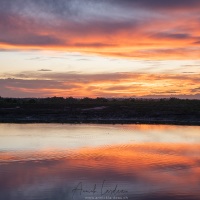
157, 4
112, 28
104, 85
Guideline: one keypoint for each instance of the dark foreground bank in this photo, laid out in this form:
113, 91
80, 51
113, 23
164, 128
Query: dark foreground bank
100, 110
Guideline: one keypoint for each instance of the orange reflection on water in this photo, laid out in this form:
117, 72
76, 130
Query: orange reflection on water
171, 163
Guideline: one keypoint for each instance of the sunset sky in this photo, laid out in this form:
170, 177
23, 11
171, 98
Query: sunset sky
107, 48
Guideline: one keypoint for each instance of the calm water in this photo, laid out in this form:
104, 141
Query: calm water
66, 162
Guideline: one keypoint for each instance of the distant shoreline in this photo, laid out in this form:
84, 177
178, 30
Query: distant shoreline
100, 111
101, 121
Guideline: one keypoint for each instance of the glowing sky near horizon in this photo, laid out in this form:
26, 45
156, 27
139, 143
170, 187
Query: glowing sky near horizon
109, 48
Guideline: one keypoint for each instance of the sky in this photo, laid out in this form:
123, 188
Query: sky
100, 48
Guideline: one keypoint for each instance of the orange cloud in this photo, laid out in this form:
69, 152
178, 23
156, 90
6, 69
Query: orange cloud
166, 34
106, 85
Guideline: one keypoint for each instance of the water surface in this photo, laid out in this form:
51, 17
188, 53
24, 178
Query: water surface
58, 162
